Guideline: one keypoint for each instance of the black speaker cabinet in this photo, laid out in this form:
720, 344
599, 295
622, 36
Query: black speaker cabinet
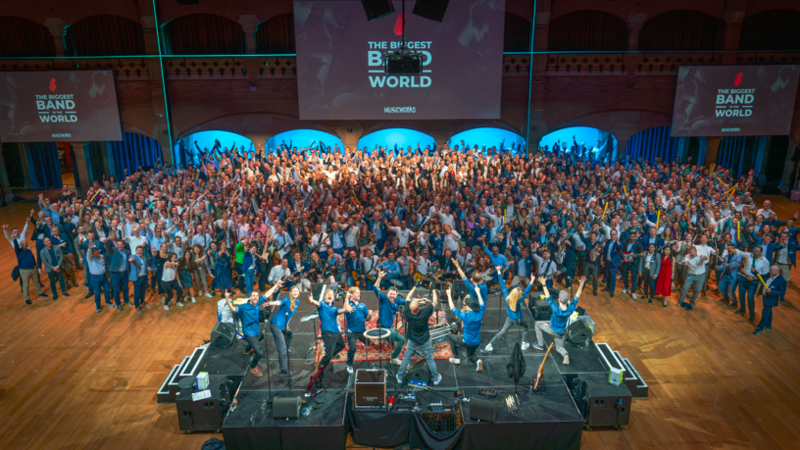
431, 9
208, 413
376, 9
370, 389
222, 335
286, 407
578, 332
483, 410
540, 309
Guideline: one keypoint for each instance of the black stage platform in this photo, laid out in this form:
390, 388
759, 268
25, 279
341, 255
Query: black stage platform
548, 419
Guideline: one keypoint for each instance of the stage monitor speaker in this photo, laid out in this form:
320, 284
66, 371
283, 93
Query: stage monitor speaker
286, 407
578, 332
431, 9
483, 410
419, 371
459, 289
376, 9
223, 335
540, 309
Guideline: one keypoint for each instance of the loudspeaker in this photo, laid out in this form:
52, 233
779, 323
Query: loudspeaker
222, 335
370, 388
578, 332
431, 9
286, 407
540, 309
376, 9
483, 410
419, 371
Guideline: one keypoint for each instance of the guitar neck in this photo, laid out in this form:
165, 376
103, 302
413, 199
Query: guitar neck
541, 367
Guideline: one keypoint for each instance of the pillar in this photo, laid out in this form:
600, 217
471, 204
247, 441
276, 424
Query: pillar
8, 196
712, 148
83, 166
249, 25
25, 169
729, 34
56, 27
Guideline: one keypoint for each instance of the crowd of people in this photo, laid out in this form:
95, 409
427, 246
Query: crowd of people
242, 220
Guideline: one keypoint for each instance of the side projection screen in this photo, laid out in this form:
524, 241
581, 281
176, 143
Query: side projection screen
59, 106
734, 100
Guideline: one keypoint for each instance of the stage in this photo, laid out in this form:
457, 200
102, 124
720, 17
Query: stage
548, 418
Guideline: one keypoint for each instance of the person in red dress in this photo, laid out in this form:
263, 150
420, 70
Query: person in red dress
664, 280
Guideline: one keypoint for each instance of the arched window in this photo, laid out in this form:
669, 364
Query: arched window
679, 31
23, 37
591, 142
276, 35
771, 30
104, 36
517, 34
487, 137
198, 34
304, 138
401, 138
587, 31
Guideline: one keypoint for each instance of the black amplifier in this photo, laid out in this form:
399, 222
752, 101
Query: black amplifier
370, 389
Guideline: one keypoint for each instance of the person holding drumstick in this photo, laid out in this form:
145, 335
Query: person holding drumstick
472, 316
329, 324
356, 324
252, 333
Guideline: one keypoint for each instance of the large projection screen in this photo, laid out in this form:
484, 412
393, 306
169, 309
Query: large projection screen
340, 72
734, 100
59, 106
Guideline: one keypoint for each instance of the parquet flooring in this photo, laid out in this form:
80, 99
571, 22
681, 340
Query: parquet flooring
75, 379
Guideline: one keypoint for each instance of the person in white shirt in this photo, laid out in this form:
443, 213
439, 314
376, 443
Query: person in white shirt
764, 212
753, 263
697, 274
704, 250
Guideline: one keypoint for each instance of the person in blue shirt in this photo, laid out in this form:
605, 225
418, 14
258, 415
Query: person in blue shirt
279, 326
514, 301
477, 280
252, 333
387, 308
471, 316
773, 292
356, 324
558, 321
497, 259
329, 325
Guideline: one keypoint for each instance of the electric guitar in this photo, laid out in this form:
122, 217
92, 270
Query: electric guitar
316, 380
536, 381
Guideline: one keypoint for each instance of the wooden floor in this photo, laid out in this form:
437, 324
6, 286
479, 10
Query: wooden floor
76, 379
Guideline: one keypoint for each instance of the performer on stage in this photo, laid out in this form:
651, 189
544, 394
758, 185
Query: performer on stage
279, 325
477, 280
472, 316
773, 292
356, 324
514, 310
387, 308
329, 325
558, 321
250, 329
418, 334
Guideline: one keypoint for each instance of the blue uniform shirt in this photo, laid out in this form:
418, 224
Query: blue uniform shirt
249, 313
284, 314
327, 317
472, 324
356, 320
387, 309
558, 322
514, 315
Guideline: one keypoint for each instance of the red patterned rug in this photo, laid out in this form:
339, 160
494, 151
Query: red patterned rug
441, 351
